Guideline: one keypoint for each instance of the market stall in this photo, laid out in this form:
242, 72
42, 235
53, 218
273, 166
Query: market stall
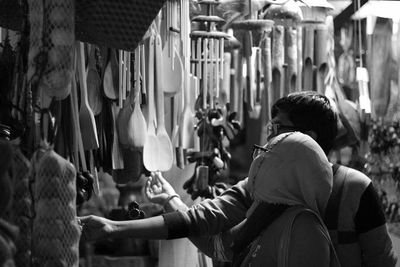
96, 95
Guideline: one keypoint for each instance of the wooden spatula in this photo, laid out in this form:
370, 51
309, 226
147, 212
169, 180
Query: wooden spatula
86, 117
165, 151
150, 149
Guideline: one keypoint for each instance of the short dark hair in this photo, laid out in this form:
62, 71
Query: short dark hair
310, 111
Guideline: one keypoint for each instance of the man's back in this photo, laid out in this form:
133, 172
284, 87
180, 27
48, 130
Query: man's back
356, 221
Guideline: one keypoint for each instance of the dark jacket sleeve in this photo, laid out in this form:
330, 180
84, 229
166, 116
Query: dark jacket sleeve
211, 216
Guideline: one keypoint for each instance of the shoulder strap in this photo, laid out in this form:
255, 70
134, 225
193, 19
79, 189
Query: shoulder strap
332, 208
284, 243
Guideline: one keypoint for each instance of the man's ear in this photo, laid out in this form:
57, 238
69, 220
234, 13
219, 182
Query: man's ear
312, 134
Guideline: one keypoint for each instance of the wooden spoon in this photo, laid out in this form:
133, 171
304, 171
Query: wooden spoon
111, 76
94, 83
86, 117
137, 124
165, 151
150, 149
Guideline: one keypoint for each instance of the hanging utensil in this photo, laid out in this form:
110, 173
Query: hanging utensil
137, 124
150, 149
86, 117
111, 76
165, 151
116, 153
94, 83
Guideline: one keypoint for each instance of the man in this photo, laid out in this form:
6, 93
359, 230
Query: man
353, 216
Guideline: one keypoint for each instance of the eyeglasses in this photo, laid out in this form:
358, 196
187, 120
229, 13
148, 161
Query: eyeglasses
257, 150
276, 128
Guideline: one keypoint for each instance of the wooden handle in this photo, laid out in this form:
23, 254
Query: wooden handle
158, 82
136, 70
205, 72
211, 57
82, 73
150, 80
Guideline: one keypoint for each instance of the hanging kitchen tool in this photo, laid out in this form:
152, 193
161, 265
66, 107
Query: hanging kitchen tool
150, 149
116, 153
121, 77
165, 150
111, 77
191, 52
94, 83
131, 126
86, 117
137, 123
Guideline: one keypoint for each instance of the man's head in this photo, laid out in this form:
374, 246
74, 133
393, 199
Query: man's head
308, 112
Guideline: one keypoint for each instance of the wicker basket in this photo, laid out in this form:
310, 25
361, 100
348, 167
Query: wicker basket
118, 24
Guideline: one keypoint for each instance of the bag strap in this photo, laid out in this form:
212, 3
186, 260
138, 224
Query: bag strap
284, 243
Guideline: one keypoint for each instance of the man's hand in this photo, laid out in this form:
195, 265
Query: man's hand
95, 227
158, 189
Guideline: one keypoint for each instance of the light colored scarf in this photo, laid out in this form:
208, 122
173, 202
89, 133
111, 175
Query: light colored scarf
295, 171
